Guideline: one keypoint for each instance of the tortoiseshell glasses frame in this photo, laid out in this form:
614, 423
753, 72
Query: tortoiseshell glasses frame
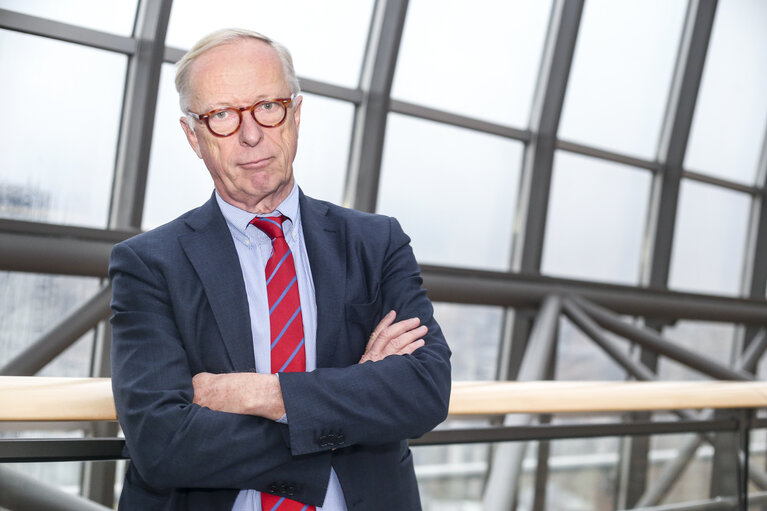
268, 113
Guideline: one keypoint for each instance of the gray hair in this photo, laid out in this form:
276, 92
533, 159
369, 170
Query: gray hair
226, 36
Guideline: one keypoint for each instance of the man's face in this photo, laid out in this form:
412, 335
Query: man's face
252, 169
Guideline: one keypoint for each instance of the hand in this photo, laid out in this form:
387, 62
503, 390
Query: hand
243, 393
389, 338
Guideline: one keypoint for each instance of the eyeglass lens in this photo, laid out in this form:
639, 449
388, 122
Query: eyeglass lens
267, 114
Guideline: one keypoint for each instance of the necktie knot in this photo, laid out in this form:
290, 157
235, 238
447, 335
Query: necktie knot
271, 225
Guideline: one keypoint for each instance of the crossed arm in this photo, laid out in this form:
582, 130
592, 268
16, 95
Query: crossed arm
161, 347
260, 394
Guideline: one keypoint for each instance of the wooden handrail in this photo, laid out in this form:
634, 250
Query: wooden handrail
34, 398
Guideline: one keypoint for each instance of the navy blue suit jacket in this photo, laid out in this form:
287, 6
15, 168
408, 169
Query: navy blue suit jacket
180, 308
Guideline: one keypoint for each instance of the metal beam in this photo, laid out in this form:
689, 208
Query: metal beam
721, 182
460, 121
371, 117
89, 256
19, 492
523, 290
64, 231
664, 195
674, 137
592, 330
330, 90
69, 449
34, 25
501, 491
546, 111
569, 431
80, 449
60, 336
138, 114
603, 154
753, 352
98, 478
651, 340
757, 249
32, 253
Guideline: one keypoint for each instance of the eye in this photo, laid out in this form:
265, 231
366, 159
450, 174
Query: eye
269, 106
221, 115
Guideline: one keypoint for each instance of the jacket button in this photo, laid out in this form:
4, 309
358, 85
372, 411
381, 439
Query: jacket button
340, 439
273, 488
291, 490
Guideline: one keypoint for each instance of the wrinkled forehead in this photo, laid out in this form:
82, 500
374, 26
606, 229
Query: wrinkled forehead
237, 73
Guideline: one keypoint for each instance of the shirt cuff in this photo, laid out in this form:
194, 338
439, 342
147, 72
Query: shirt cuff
284, 418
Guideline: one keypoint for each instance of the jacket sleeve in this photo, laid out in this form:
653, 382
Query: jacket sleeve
393, 399
173, 442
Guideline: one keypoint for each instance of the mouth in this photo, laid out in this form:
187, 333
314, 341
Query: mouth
256, 164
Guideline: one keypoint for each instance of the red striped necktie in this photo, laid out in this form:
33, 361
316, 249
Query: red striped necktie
285, 323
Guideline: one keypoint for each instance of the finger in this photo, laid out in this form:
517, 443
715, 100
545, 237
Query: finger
382, 325
399, 342
392, 332
410, 348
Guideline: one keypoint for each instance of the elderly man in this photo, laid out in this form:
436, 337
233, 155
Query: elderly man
257, 359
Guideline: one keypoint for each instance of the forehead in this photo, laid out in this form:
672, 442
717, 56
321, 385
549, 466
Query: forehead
241, 71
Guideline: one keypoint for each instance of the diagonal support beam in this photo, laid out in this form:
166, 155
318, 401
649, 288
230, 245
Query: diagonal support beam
750, 358
673, 469
593, 331
61, 336
20, 492
653, 341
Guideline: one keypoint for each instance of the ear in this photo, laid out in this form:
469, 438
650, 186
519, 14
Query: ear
297, 110
191, 136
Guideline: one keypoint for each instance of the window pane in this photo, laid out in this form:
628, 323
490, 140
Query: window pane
327, 39
582, 472
451, 477
60, 130
457, 205
178, 181
112, 16
596, 220
709, 239
484, 69
473, 333
731, 114
621, 74
323, 147
25, 298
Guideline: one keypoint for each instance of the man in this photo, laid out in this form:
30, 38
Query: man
260, 280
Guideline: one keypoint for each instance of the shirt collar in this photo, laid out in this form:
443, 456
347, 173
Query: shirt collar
239, 219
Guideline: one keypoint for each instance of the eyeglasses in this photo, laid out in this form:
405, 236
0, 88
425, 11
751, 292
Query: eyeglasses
268, 113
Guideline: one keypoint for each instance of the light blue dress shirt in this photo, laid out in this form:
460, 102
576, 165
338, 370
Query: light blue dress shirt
253, 249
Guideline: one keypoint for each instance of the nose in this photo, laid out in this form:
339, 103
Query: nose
250, 132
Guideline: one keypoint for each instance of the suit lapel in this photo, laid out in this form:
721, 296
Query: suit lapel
325, 246
211, 250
